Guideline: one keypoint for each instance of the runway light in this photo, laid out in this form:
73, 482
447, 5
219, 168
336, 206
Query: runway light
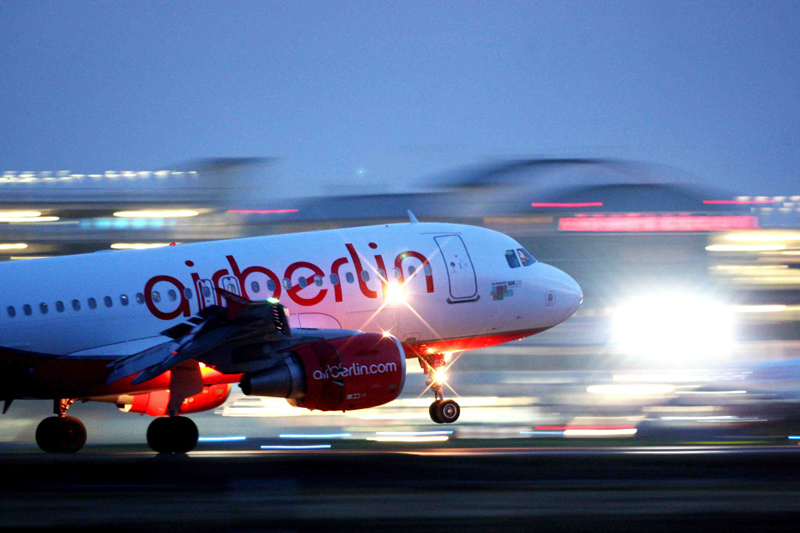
674, 328
762, 236
157, 213
625, 432
432, 438
299, 447
138, 245
13, 246
413, 433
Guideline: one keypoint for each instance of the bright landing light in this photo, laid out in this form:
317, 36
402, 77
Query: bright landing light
674, 328
395, 293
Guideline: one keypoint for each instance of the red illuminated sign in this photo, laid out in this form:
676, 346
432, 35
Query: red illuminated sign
648, 223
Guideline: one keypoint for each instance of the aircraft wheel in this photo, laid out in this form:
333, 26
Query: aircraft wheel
432, 410
61, 434
448, 411
172, 434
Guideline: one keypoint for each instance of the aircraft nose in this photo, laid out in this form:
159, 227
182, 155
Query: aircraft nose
567, 295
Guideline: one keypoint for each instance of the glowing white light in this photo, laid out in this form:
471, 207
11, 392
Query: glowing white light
642, 389
31, 220
13, 246
395, 293
157, 213
763, 236
19, 214
745, 247
138, 245
674, 328
623, 432
432, 438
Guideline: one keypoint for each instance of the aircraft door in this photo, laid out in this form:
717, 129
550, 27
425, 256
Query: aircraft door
230, 284
460, 272
205, 293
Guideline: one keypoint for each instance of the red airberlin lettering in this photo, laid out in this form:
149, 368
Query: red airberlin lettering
303, 296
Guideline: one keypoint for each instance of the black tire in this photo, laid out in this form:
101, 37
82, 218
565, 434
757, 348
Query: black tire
433, 411
448, 411
175, 434
61, 435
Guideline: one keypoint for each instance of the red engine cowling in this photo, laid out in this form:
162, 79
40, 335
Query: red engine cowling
355, 372
155, 403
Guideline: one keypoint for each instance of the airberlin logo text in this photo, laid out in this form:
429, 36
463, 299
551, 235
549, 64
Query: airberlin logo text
302, 275
334, 372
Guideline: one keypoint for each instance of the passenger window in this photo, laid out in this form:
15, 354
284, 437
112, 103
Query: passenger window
334, 279
255, 287
511, 257
139, 298
411, 271
123, 299
11, 311
43, 308
428, 270
76, 305
318, 280
206, 292
365, 275
156, 298
231, 288
397, 273
92, 303
60, 306
187, 293
349, 277
108, 301
525, 257
172, 295
27, 309
382, 273
303, 282
287, 283
271, 285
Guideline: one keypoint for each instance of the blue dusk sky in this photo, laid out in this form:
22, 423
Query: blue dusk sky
379, 95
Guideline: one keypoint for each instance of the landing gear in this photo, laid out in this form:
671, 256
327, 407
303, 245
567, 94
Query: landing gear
442, 411
61, 433
172, 434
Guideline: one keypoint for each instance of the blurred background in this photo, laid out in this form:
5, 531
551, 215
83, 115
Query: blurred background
650, 150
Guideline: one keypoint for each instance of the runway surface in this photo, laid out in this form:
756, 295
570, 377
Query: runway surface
406, 487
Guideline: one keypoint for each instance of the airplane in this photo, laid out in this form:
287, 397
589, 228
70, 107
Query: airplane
325, 319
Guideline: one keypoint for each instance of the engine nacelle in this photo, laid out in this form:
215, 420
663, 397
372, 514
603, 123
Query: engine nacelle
354, 372
156, 403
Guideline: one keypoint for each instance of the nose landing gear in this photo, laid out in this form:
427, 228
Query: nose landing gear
442, 411
61, 433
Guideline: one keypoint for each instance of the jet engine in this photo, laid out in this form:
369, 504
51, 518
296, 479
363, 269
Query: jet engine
155, 403
353, 372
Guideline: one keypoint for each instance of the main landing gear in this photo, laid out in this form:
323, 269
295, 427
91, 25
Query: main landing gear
61, 433
442, 411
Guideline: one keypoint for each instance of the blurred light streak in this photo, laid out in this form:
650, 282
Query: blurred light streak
794, 437
237, 438
543, 433
31, 220
315, 436
657, 223
13, 246
631, 390
158, 213
567, 204
412, 433
583, 428
622, 432
760, 308
431, 438
138, 245
298, 447
262, 211
745, 247
738, 202
710, 392
763, 236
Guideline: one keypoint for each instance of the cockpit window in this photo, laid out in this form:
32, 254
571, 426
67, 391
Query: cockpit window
511, 257
525, 257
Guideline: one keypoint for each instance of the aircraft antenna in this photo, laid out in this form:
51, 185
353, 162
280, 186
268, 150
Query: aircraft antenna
411, 218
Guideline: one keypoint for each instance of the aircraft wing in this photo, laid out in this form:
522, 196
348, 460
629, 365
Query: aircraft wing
214, 326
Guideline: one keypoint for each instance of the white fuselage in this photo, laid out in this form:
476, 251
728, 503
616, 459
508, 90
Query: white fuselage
117, 303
